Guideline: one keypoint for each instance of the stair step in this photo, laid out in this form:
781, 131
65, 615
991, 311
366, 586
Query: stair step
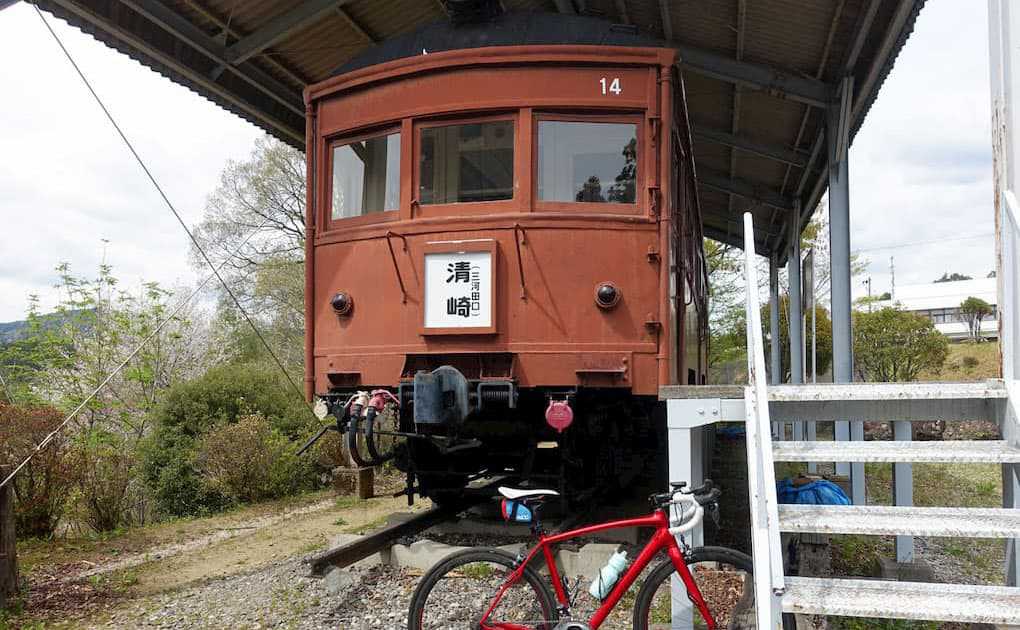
820, 392
885, 520
886, 401
962, 603
970, 451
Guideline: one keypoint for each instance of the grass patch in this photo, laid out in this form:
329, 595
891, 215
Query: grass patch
366, 527
348, 501
967, 362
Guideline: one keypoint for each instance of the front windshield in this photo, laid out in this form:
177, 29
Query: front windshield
590, 162
467, 163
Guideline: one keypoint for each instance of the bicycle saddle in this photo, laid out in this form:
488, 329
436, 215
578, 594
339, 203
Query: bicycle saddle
526, 493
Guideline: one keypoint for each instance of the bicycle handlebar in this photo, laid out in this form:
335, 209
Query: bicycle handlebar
681, 521
699, 498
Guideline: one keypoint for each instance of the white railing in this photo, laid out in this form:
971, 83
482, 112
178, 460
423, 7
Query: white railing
769, 581
1004, 64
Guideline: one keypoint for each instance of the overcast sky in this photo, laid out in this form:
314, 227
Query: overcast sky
920, 168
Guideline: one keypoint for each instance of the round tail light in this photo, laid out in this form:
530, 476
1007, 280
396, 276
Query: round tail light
342, 303
607, 295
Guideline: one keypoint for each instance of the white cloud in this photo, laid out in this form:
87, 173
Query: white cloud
68, 181
921, 166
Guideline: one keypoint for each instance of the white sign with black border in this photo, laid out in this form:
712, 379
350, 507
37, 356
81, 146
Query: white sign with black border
458, 289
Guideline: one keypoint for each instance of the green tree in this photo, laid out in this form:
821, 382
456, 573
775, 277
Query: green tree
255, 222
975, 309
952, 277
891, 344
823, 343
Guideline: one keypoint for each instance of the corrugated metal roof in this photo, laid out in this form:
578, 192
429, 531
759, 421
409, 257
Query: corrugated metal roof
253, 57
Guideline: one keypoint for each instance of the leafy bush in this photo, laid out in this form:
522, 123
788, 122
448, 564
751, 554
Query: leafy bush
215, 400
105, 477
891, 344
42, 487
250, 461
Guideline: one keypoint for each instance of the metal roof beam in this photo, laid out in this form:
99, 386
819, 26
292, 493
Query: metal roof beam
565, 6
280, 27
182, 29
621, 10
6, 3
755, 76
667, 20
742, 188
130, 38
743, 143
357, 28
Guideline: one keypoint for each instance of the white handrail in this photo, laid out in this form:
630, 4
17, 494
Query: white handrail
769, 580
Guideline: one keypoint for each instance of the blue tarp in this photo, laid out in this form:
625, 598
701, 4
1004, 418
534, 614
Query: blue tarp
820, 492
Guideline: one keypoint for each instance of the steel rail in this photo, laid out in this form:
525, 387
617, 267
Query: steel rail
349, 553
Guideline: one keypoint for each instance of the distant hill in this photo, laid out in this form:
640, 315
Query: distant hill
10, 331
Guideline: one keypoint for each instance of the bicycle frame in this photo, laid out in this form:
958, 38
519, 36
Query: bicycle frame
662, 540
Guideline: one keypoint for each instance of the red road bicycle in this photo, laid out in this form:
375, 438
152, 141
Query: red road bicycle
491, 589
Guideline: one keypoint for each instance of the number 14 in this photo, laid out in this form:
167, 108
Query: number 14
610, 87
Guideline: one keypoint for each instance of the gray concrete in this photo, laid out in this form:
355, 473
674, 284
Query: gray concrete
775, 350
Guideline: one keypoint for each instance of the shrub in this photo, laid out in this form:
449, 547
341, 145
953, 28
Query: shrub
894, 345
250, 461
105, 476
42, 487
215, 400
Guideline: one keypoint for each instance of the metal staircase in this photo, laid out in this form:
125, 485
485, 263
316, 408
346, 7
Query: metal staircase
994, 400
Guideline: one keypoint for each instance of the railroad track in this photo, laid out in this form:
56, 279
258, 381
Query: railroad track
347, 554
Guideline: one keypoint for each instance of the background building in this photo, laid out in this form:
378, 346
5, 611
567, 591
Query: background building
940, 301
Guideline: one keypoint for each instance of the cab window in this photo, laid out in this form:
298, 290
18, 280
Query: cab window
366, 176
587, 162
465, 163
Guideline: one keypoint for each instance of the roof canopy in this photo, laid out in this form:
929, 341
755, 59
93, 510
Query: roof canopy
760, 75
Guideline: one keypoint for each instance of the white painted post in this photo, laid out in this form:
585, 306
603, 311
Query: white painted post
685, 438
1004, 64
769, 579
903, 490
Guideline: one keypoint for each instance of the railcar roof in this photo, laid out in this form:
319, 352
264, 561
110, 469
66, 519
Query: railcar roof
759, 75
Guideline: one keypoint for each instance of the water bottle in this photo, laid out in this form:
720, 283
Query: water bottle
608, 575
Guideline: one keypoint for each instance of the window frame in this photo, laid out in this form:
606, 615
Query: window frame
465, 208
344, 139
640, 205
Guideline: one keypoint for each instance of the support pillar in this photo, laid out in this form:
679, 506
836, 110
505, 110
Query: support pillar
795, 316
1011, 500
837, 138
775, 348
903, 491
685, 441
8, 545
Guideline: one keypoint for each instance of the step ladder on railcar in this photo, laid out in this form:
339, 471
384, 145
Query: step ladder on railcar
995, 400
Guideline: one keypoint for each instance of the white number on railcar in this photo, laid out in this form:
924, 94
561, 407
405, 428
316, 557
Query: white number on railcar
610, 86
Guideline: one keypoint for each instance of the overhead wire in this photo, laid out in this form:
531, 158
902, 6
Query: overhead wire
170, 206
138, 348
215, 274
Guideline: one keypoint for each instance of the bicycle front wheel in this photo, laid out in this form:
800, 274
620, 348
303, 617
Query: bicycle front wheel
723, 576
456, 593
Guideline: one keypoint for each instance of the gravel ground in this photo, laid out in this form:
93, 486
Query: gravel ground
280, 596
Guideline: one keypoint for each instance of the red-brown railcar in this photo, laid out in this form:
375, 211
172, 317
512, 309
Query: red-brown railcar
497, 230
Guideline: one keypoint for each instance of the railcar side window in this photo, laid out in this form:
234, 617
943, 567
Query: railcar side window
467, 163
590, 162
366, 176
